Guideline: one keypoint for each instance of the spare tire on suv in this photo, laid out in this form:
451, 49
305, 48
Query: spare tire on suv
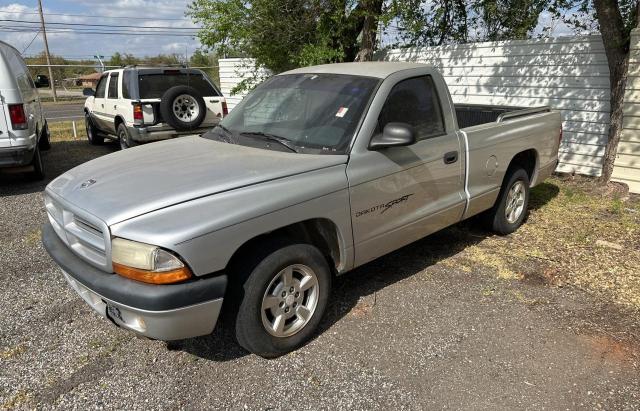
183, 108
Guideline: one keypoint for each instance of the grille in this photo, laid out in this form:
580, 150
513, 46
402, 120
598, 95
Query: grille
84, 234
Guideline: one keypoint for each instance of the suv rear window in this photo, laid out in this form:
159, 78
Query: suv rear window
155, 85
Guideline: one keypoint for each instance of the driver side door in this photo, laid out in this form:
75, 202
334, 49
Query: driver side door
98, 114
401, 194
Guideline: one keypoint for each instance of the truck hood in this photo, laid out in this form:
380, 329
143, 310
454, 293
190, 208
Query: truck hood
129, 183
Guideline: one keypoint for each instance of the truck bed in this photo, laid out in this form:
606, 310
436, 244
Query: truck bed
470, 115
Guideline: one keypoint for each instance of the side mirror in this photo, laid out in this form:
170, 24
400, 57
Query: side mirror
88, 92
42, 81
393, 135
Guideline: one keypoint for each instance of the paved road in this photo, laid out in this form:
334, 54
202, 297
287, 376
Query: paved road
63, 111
412, 330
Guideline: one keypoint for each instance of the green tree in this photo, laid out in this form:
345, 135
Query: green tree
615, 19
208, 60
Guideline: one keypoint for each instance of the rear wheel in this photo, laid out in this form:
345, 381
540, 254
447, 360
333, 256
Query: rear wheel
124, 138
283, 300
45, 142
510, 209
38, 166
92, 131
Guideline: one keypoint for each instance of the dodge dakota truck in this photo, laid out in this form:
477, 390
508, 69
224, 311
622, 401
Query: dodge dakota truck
317, 171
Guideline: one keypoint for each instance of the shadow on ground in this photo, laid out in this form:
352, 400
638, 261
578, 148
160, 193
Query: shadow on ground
368, 279
63, 156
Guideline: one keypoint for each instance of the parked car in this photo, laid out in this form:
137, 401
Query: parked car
143, 104
23, 128
319, 170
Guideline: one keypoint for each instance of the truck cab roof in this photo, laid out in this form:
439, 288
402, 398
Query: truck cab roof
379, 69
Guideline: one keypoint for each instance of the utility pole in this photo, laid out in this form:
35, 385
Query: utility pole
46, 52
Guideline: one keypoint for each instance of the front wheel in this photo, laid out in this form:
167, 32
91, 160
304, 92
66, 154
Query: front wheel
92, 131
510, 209
283, 300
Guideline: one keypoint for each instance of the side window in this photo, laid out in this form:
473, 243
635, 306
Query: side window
126, 79
113, 86
100, 88
415, 102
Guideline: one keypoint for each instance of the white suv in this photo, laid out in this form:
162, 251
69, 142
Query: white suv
23, 128
143, 104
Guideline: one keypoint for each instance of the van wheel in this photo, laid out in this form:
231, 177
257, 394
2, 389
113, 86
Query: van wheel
45, 141
510, 209
92, 131
38, 167
283, 300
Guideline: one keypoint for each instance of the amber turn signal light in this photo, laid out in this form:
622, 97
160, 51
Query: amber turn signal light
153, 277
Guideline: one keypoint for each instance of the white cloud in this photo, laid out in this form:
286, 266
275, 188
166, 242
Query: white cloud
77, 45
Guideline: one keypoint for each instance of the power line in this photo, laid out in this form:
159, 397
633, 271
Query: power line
72, 31
99, 25
31, 42
97, 29
97, 16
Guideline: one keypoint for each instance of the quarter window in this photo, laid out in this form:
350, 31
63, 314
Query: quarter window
414, 102
113, 86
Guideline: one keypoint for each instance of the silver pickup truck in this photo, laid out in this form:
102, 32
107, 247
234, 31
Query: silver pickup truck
317, 171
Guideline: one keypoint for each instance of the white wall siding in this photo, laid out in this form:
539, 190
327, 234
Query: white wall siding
627, 164
569, 74
232, 72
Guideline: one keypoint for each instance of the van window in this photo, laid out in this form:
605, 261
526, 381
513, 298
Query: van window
113, 86
22, 76
101, 87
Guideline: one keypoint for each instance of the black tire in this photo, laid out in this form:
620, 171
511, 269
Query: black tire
124, 138
249, 329
94, 138
497, 216
45, 141
38, 167
193, 103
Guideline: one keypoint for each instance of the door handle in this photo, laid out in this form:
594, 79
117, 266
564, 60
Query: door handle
451, 157
214, 101
115, 107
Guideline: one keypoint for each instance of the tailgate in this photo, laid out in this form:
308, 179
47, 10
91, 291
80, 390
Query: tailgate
215, 110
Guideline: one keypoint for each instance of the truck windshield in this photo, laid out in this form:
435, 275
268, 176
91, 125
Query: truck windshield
313, 112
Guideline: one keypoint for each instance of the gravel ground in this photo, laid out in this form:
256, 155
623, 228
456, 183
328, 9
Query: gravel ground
411, 330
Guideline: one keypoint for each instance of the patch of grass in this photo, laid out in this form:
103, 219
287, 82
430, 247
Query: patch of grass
20, 398
12, 352
63, 131
566, 220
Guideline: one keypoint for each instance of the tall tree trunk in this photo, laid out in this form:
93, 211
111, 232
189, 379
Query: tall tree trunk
372, 10
616, 45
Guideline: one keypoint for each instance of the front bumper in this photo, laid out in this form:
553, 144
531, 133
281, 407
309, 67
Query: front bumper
163, 312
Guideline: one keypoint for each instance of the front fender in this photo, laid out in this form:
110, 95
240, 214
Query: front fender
206, 232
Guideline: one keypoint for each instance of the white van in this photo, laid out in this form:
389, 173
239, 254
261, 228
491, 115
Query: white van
23, 128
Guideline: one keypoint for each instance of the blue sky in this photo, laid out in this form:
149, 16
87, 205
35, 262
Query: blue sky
154, 13
113, 12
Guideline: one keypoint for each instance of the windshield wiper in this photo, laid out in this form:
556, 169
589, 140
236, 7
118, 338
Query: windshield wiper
272, 137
